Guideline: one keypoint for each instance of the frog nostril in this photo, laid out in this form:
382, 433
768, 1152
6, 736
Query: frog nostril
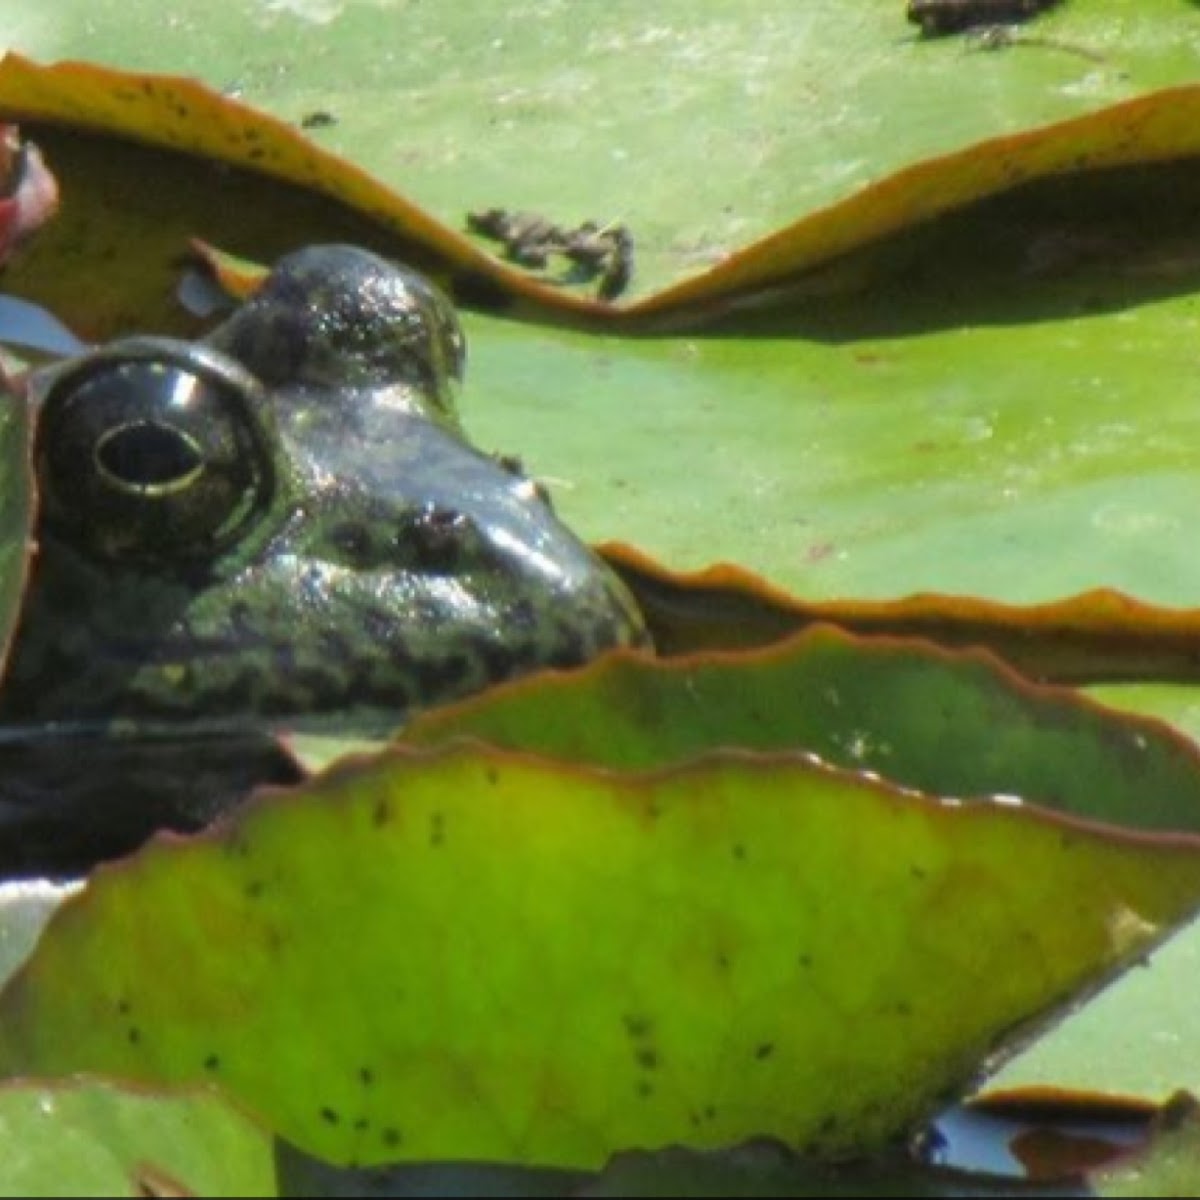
436, 537
147, 457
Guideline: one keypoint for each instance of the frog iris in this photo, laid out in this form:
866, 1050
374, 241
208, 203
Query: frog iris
153, 449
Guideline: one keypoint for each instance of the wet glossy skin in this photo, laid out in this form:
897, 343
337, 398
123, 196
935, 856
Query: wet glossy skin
305, 530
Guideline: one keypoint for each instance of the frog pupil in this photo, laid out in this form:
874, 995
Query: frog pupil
146, 457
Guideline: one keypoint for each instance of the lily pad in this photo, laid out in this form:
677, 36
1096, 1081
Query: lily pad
105, 130
947, 724
93, 1140
468, 1019
1102, 635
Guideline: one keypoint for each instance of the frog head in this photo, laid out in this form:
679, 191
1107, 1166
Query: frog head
286, 518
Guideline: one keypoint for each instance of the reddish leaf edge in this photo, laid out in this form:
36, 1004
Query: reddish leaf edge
1097, 636
1155, 127
58, 94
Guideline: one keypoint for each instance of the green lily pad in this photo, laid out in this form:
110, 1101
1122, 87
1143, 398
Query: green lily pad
1101, 635
741, 1015
106, 130
754, 122
93, 1140
947, 724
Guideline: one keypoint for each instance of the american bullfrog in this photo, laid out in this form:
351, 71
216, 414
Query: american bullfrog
286, 518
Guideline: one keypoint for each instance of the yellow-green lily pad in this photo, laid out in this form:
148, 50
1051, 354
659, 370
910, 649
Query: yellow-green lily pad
74, 1139
949, 724
524, 960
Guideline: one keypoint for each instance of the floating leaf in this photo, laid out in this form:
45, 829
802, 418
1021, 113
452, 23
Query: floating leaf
95, 1140
222, 171
474, 1022
1101, 635
1163, 127
947, 724
107, 130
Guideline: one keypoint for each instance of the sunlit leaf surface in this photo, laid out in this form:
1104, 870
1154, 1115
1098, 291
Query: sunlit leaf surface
92, 1140
948, 724
728, 986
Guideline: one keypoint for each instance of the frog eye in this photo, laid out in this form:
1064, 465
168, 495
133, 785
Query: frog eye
153, 449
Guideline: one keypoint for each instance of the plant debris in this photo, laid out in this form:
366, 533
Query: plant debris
600, 252
318, 119
940, 17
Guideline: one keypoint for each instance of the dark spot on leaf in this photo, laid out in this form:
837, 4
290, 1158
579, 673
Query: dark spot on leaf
805, 961
329, 1116
123, 1007
254, 889
723, 962
381, 814
644, 1089
919, 873
135, 1035
637, 1026
256, 153
437, 829
366, 1076
391, 1137
828, 1125
903, 1008
647, 1058
362, 1125
739, 851
212, 1063
765, 1050
492, 775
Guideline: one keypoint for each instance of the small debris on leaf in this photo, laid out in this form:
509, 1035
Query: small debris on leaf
595, 252
940, 17
320, 119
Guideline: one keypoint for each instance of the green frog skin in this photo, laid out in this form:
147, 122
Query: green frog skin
286, 518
